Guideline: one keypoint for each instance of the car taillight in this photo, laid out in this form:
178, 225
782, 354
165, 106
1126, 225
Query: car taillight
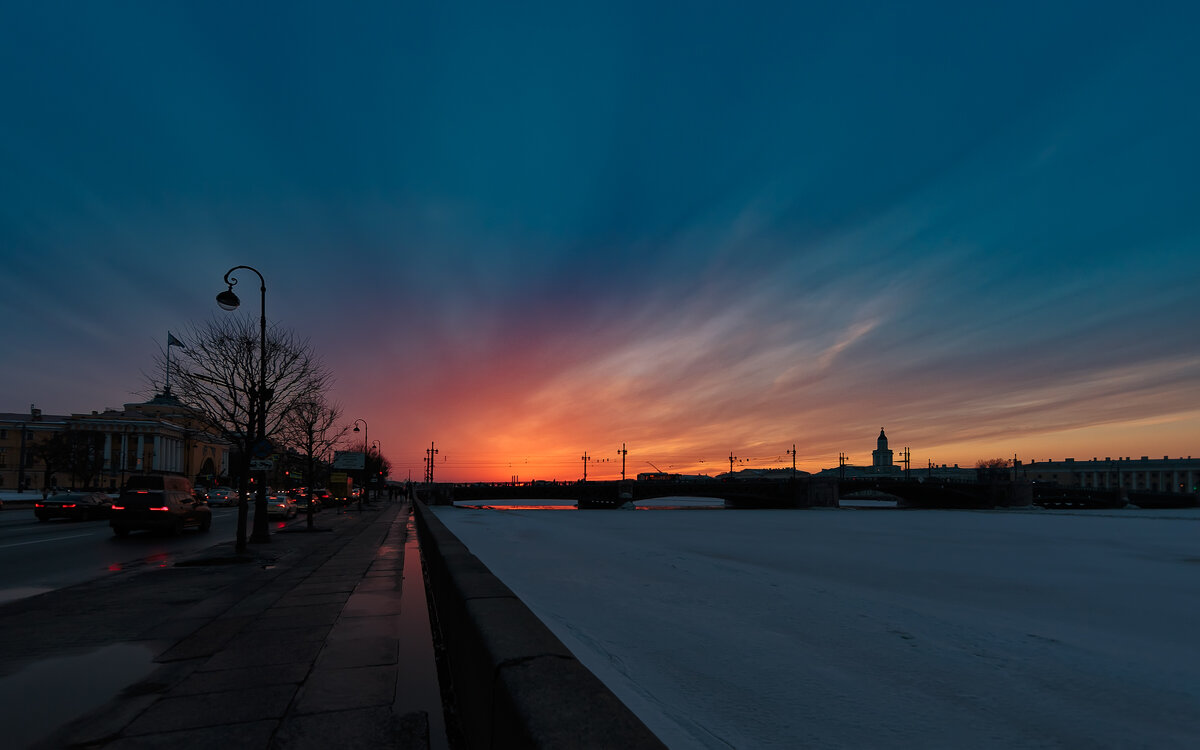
118, 507
68, 505
38, 505
162, 508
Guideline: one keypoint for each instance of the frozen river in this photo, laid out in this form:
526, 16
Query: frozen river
871, 628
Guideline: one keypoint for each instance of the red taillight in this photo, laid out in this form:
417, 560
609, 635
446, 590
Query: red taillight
38, 505
118, 507
68, 505
162, 508
143, 492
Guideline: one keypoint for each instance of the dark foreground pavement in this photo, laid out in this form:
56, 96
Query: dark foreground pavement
315, 640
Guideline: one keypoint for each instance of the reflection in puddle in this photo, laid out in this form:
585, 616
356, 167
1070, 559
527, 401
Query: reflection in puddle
50, 693
157, 560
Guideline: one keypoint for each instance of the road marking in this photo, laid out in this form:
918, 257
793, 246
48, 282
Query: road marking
39, 541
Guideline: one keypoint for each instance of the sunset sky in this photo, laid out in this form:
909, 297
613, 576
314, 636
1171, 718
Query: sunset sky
694, 228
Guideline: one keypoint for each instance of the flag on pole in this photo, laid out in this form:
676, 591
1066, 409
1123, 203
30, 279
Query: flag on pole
172, 341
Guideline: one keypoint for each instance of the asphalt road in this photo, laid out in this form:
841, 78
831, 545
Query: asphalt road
36, 556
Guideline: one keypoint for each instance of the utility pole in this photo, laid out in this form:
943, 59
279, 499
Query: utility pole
430, 452
793, 452
623, 452
585, 462
842, 457
732, 458
905, 455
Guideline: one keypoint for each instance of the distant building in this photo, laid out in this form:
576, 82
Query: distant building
772, 473
881, 457
1143, 474
102, 448
664, 476
20, 437
881, 464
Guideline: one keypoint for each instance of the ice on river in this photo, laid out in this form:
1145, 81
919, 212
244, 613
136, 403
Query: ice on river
871, 628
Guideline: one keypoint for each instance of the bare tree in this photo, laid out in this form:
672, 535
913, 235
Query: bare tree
217, 376
309, 430
74, 451
992, 463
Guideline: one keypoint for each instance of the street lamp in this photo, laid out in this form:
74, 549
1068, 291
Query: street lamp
227, 300
364, 473
378, 476
364, 432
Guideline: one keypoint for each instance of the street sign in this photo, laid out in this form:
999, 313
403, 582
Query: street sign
349, 460
262, 448
261, 464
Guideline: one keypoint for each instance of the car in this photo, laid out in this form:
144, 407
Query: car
222, 497
81, 506
323, 497
303, 500
158, 503
280, 505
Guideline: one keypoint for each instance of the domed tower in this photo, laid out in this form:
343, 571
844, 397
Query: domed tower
881, 457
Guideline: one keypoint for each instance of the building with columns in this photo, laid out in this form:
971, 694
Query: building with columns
158, 436
1145, 474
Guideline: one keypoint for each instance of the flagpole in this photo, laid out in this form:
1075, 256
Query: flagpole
167, 387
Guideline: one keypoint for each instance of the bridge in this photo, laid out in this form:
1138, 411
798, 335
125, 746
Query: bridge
801, 492
804, 492
816, 492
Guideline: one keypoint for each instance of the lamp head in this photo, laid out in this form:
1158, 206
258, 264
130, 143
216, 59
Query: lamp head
227, 300
356, 428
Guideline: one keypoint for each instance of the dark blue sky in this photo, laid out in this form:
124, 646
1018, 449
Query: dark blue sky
695, 228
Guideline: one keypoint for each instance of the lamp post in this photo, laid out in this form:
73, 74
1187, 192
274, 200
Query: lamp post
364, 474
377, 478
227, 300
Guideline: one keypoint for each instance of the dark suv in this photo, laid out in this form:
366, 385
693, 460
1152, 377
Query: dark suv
158, 503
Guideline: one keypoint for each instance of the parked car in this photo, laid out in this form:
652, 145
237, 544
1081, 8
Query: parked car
222, 497
81, 506
158, 503
280, 505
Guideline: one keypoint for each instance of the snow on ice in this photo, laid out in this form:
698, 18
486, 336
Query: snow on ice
841, 628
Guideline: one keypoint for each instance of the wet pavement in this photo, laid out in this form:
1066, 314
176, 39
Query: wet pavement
312, 641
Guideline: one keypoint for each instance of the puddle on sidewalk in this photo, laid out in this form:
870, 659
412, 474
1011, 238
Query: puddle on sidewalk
14, 593
49, 694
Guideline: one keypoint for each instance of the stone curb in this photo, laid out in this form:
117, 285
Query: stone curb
516, 683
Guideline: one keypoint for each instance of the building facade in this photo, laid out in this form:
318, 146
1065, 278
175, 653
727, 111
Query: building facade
100, 450
881, 457
1145, 474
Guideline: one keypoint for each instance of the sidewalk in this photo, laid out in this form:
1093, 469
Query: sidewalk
318, 640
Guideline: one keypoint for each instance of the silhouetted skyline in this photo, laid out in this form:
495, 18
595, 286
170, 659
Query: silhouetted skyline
702, 229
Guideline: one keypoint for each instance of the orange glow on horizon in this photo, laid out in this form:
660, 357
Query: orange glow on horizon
502, 460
